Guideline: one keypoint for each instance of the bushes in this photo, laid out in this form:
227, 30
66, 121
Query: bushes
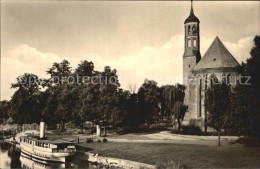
89, 140
188, 130
191, 130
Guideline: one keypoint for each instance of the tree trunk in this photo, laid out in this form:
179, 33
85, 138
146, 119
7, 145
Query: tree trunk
173, 125
81, 126
61, 127
179, 124
205, 126
219, 138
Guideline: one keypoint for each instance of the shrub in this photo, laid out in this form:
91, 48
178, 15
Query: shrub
188, 130
193, 122
191, 130
99, 141
104, 140
89, 140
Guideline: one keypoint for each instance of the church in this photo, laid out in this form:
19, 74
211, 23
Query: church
199, 73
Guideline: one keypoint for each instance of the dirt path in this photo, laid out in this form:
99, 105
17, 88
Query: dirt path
167, 137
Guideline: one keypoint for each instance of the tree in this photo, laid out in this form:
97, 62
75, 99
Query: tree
216, 104
133, 117
107, 105
49, 104
86, 105
85, 68
240, 117
25, 107
172, 98
253, 70
66, 99
29, 82
243, 116
60, 93
59, 73
85, 91
4, 109
149, 99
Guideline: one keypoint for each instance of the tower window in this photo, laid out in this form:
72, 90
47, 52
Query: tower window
194, 43
189, 43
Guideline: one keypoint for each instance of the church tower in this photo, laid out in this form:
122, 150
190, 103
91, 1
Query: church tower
191, 57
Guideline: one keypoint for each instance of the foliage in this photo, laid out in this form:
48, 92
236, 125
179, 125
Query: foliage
25, 107
29, 82
243, 116
191, 130
104, 102
216, 104
172, 105
59, 73
148, 97
4, 109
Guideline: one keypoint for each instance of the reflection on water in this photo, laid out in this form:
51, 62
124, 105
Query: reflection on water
11, 157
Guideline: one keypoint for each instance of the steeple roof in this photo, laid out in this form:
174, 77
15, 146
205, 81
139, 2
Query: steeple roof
217, 56
192, 17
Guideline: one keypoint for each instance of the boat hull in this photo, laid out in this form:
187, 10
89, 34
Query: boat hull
45, 155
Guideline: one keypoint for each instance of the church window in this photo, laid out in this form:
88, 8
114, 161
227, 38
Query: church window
213, 80
194, 30
194, 43
189, 43
230, 79
189, 65
200, 86
189, 31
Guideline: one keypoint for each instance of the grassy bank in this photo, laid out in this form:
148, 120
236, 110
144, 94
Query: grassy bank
168, 155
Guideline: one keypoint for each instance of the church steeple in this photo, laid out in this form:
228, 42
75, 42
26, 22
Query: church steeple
192, 17
191, 54
192, 36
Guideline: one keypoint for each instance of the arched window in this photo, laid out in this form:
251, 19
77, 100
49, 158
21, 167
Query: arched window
199, 94
194, 43
230, 79
189, 43
213, 80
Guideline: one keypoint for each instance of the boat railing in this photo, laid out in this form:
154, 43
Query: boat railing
66, 150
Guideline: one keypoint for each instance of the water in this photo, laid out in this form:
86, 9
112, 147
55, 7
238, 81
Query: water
10, 157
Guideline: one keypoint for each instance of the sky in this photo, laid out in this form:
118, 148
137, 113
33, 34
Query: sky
140, 39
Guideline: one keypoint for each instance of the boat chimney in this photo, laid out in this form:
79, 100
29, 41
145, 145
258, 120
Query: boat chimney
42, 129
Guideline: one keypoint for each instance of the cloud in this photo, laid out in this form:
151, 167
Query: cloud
23, 59
162, 64
241, 49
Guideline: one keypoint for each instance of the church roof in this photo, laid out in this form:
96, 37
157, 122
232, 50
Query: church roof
192, 17
217, 56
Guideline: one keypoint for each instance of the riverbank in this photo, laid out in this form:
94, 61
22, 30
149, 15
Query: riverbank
171, 155
165, 149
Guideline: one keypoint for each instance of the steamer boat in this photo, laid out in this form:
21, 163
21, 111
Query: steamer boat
48, 149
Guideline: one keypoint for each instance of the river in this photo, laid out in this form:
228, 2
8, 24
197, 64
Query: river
10, 157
